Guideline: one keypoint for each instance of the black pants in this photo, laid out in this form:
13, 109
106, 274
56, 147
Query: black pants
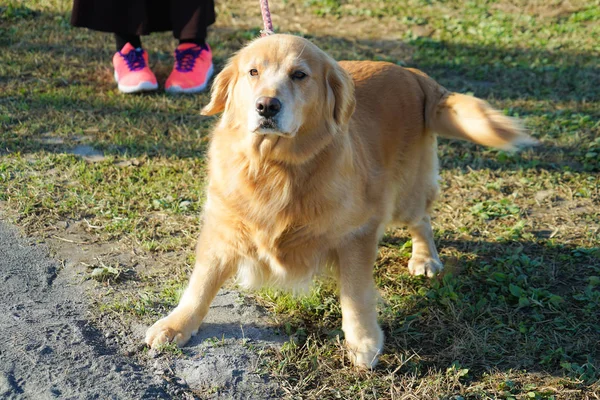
187, 19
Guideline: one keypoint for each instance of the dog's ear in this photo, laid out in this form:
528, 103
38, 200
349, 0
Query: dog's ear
341, 93
221, 90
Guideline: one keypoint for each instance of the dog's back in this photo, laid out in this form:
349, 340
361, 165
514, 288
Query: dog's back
399, 111
406, 100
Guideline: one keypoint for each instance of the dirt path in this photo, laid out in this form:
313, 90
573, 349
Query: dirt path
49, 349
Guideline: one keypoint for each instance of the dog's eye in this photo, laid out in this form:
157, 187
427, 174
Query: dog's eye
253, 72
298, 75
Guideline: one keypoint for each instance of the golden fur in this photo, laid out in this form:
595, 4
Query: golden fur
352, 150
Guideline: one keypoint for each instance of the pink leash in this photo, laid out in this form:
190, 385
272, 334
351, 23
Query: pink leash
266, 15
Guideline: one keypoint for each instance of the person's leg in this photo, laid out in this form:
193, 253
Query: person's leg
197, 42
192, 32
193, 57
190, 19
122, 39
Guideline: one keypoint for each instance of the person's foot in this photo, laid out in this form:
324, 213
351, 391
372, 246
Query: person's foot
132, 72
192, 70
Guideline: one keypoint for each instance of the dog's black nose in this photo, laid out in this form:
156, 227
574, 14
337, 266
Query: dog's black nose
268, 106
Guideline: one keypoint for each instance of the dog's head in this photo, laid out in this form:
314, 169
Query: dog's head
284, 94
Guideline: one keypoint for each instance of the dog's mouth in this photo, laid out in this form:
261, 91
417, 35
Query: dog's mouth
269, 126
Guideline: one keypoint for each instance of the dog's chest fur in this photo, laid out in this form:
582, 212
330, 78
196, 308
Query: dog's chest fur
285, 218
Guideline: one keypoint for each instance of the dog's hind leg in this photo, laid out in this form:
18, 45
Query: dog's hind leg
358, 298
425, 259
213, 267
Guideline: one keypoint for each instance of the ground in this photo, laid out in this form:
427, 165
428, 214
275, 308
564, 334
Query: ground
114, 185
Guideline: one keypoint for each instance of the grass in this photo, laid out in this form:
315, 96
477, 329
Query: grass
516, 315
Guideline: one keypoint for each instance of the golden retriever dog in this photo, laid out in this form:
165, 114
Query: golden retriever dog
309, 163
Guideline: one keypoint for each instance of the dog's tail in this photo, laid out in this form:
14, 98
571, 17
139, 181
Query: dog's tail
458, 116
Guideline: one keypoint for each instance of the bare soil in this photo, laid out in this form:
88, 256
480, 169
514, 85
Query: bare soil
51, 346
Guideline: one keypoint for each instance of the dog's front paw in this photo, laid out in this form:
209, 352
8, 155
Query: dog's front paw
168, 330
364, 352
425, 266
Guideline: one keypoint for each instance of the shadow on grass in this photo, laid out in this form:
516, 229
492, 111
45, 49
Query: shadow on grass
126, 130
487, 71
502, 306
492, 73
140, 127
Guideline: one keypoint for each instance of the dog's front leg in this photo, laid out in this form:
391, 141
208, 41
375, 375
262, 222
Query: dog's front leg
213, 267
358, 297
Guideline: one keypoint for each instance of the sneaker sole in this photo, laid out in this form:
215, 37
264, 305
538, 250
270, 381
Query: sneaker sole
144, 86
196, 89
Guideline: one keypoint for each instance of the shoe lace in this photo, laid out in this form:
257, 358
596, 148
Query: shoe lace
186, 59
134, 59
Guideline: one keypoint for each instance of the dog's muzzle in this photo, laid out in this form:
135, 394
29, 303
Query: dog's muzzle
269, 117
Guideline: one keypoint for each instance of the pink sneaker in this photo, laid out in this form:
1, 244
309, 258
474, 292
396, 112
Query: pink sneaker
131, 70
192, 70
